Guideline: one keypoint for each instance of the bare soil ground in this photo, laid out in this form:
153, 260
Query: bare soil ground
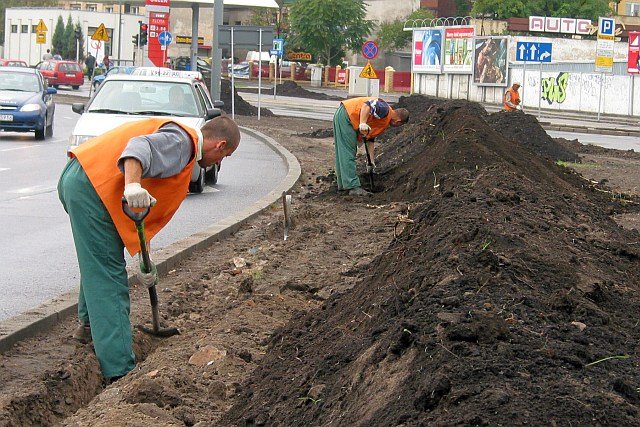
483, 282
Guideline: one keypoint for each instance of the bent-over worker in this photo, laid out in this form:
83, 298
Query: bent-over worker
149, 163
360, 119
512, 98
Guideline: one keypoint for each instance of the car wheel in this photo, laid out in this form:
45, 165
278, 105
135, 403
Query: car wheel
198, 186
48, 131
212, 174
40, 133
76, 87
55, 86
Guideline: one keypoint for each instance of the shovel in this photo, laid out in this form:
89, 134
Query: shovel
138, 218
370, 164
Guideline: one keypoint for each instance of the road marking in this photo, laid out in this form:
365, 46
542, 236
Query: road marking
4, 169
17, 148
36, 189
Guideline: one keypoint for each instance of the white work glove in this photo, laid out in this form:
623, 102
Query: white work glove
364, 128
146, 279
371, 168
138, 197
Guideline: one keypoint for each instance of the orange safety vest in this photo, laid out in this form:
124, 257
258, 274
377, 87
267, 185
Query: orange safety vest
99, 159
514, 97
353, 107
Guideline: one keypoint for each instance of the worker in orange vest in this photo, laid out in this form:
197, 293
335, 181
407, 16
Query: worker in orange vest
360, 120
512, 98
149, 163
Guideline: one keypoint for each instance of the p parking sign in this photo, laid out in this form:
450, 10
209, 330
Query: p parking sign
606, 26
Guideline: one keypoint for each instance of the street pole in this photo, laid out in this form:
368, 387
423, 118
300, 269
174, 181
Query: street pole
195, 17
600, 96
259, 72
216, 54
540, 97
119, 29
233, 80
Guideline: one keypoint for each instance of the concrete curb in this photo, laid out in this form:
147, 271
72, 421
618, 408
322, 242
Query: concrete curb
49, 314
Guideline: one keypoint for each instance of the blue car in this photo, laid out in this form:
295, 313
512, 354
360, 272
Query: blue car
26, 103
120, 69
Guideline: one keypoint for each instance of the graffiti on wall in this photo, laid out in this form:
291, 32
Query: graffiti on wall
554, 89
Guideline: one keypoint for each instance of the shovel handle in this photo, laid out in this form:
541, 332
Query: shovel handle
137, 217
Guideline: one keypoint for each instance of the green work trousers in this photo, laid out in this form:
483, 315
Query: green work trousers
345, 140
103, 301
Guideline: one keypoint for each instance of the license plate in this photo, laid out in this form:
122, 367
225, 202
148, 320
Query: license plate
6, 117
71, 75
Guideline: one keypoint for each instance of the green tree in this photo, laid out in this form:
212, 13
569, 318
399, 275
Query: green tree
5, 4
78, 28
328, 28
69, 40
391, 35
503, 9
57, 40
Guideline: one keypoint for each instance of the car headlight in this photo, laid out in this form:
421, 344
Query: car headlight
27, 108
75, 140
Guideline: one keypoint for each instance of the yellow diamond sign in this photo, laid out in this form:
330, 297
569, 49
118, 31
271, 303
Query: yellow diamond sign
101, 34
368, 72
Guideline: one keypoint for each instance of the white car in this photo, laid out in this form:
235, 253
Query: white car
124, 98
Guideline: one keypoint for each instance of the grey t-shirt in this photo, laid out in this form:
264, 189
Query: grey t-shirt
162, 154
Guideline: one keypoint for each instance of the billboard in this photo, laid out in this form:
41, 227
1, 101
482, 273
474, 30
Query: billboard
633, 64
427, 51
458, 50
490, 61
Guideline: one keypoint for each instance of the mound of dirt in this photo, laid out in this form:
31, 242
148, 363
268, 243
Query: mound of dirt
318, 133
506, 294
242, 107
524, 128
291, 88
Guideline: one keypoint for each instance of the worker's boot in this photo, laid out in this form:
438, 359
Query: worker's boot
82, 334
359, 191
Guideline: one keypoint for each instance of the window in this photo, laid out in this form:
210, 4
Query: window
34, 29
633, 9
92, 7
238, 23
24, 29
75, 6
14, 29
108, 9
135, 10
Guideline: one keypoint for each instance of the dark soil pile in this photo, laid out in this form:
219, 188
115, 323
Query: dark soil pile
577, 147
319, 133
291, 88
525, 129
509, 293
242, 107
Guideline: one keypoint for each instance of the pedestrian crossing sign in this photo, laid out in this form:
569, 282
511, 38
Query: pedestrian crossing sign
368, 72
101, 34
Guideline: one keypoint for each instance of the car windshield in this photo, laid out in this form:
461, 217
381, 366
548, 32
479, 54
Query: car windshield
152, 98
19, 82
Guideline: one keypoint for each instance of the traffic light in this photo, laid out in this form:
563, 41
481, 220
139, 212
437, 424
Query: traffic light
135, 39
143, 34
78, 32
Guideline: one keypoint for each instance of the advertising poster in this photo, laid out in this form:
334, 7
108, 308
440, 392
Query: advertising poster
490, 61
427, 51
458, 50
633, 64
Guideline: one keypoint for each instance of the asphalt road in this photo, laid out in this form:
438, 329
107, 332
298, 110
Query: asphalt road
38, 258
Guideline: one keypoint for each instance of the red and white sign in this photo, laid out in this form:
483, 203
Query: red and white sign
560, 25
633, 64
458, 50
158, 21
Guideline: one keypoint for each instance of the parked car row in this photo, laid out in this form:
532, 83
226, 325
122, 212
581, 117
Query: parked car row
12, 63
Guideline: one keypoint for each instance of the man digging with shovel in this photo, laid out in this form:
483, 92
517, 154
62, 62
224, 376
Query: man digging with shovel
360, 119
141, 164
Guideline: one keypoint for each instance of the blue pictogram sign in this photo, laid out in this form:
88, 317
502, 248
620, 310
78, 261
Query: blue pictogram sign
165, 38
370, 49
533, 52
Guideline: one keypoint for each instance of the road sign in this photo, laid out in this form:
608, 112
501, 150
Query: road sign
278, 46
370, 49
274, 52
633, 61
165, 38
605, 45
368, 72
100, 34
41, 38
41, 28
533, 52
